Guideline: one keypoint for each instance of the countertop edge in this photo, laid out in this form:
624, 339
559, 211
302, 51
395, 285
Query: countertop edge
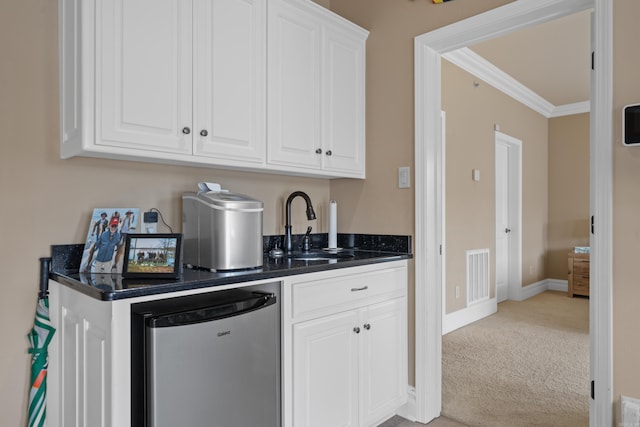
249, 276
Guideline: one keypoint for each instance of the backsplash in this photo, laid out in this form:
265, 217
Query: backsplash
67, 257
364, 242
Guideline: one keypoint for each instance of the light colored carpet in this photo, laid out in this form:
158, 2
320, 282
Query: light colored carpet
398, 421
527, 365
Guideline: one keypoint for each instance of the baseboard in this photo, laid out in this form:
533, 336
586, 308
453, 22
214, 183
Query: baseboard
408, 410
468, 315
558, 285
538, 287
460, 318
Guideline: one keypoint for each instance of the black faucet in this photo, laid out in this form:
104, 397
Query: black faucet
311, 215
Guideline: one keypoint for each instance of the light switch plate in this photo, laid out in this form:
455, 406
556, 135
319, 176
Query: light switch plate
404, 177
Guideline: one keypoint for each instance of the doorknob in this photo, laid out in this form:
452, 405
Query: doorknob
507, 230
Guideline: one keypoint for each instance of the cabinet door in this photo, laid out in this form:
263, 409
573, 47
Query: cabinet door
344, 101
325, 372
293, 86
383, 347
143, 74
230, 79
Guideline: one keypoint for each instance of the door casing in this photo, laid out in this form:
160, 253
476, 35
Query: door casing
428, 48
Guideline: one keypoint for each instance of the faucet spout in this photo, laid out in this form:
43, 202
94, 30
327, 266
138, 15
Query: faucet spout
311, 215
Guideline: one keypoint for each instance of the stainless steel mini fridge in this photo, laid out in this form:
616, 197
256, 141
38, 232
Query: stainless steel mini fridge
210, 360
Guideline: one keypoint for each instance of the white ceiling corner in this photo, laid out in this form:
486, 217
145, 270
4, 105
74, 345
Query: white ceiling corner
545, 66
476, 65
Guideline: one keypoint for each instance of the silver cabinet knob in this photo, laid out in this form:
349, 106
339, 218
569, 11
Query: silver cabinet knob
319, 151
204, 132
328, 153
507, 230
356, 330
186, 130
367, 326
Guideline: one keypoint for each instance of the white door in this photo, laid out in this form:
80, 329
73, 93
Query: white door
502, 221
143, 74
343, 104
507, 199
294, 43
383, 356
230, 79
325, 371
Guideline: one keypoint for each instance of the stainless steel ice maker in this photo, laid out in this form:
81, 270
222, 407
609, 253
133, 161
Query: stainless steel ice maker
222, 230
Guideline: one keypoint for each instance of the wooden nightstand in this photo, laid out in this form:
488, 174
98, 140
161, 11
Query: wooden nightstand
578, 274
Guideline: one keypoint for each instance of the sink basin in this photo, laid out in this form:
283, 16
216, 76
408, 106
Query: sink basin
320, 255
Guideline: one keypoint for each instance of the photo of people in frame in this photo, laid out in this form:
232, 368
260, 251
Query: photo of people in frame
105, 243
153, 255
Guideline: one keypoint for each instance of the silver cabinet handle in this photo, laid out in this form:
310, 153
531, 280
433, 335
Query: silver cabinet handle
186, 130
364, 288
204, 132
367, 326
328, 153
319, 151
356, 330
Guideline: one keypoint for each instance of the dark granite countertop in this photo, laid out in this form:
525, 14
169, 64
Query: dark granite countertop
110, 287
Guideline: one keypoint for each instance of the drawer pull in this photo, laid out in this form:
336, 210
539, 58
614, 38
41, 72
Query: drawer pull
364, 288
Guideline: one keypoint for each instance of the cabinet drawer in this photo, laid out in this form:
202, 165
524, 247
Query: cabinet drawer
346, 292
580, 281
581, 267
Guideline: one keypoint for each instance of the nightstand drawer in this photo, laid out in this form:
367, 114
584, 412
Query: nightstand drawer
578, 274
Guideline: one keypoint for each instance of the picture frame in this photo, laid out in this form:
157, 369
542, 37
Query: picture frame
104, 243
150, 256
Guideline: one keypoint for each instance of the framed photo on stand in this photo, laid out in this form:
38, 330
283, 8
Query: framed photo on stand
104, 245
152, 256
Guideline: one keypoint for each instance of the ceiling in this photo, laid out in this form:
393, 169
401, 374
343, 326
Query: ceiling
547, 64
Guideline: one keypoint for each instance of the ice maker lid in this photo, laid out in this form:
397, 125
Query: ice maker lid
227, 201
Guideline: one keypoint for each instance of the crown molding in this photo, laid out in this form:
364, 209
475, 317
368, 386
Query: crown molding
476, 65
569, 109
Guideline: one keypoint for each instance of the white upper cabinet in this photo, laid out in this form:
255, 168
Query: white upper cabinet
186, 81
316, 84
172, 81
229, 74
143, 75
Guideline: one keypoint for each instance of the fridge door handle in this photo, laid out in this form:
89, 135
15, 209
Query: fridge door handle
258, 301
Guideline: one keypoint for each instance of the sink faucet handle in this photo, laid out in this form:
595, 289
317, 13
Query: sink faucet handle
306, 241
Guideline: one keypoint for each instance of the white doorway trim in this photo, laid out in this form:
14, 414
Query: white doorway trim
428, 49
514, 172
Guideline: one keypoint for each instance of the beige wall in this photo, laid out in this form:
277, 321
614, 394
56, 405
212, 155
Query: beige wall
626, 206
471, 113
568, 190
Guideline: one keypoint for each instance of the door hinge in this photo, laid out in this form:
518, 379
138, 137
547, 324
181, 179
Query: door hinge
592, 226
440, 249
593, 60
593, 390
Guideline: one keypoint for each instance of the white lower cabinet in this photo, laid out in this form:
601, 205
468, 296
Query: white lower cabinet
344, 350
325, 371
383, 359
349, 365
